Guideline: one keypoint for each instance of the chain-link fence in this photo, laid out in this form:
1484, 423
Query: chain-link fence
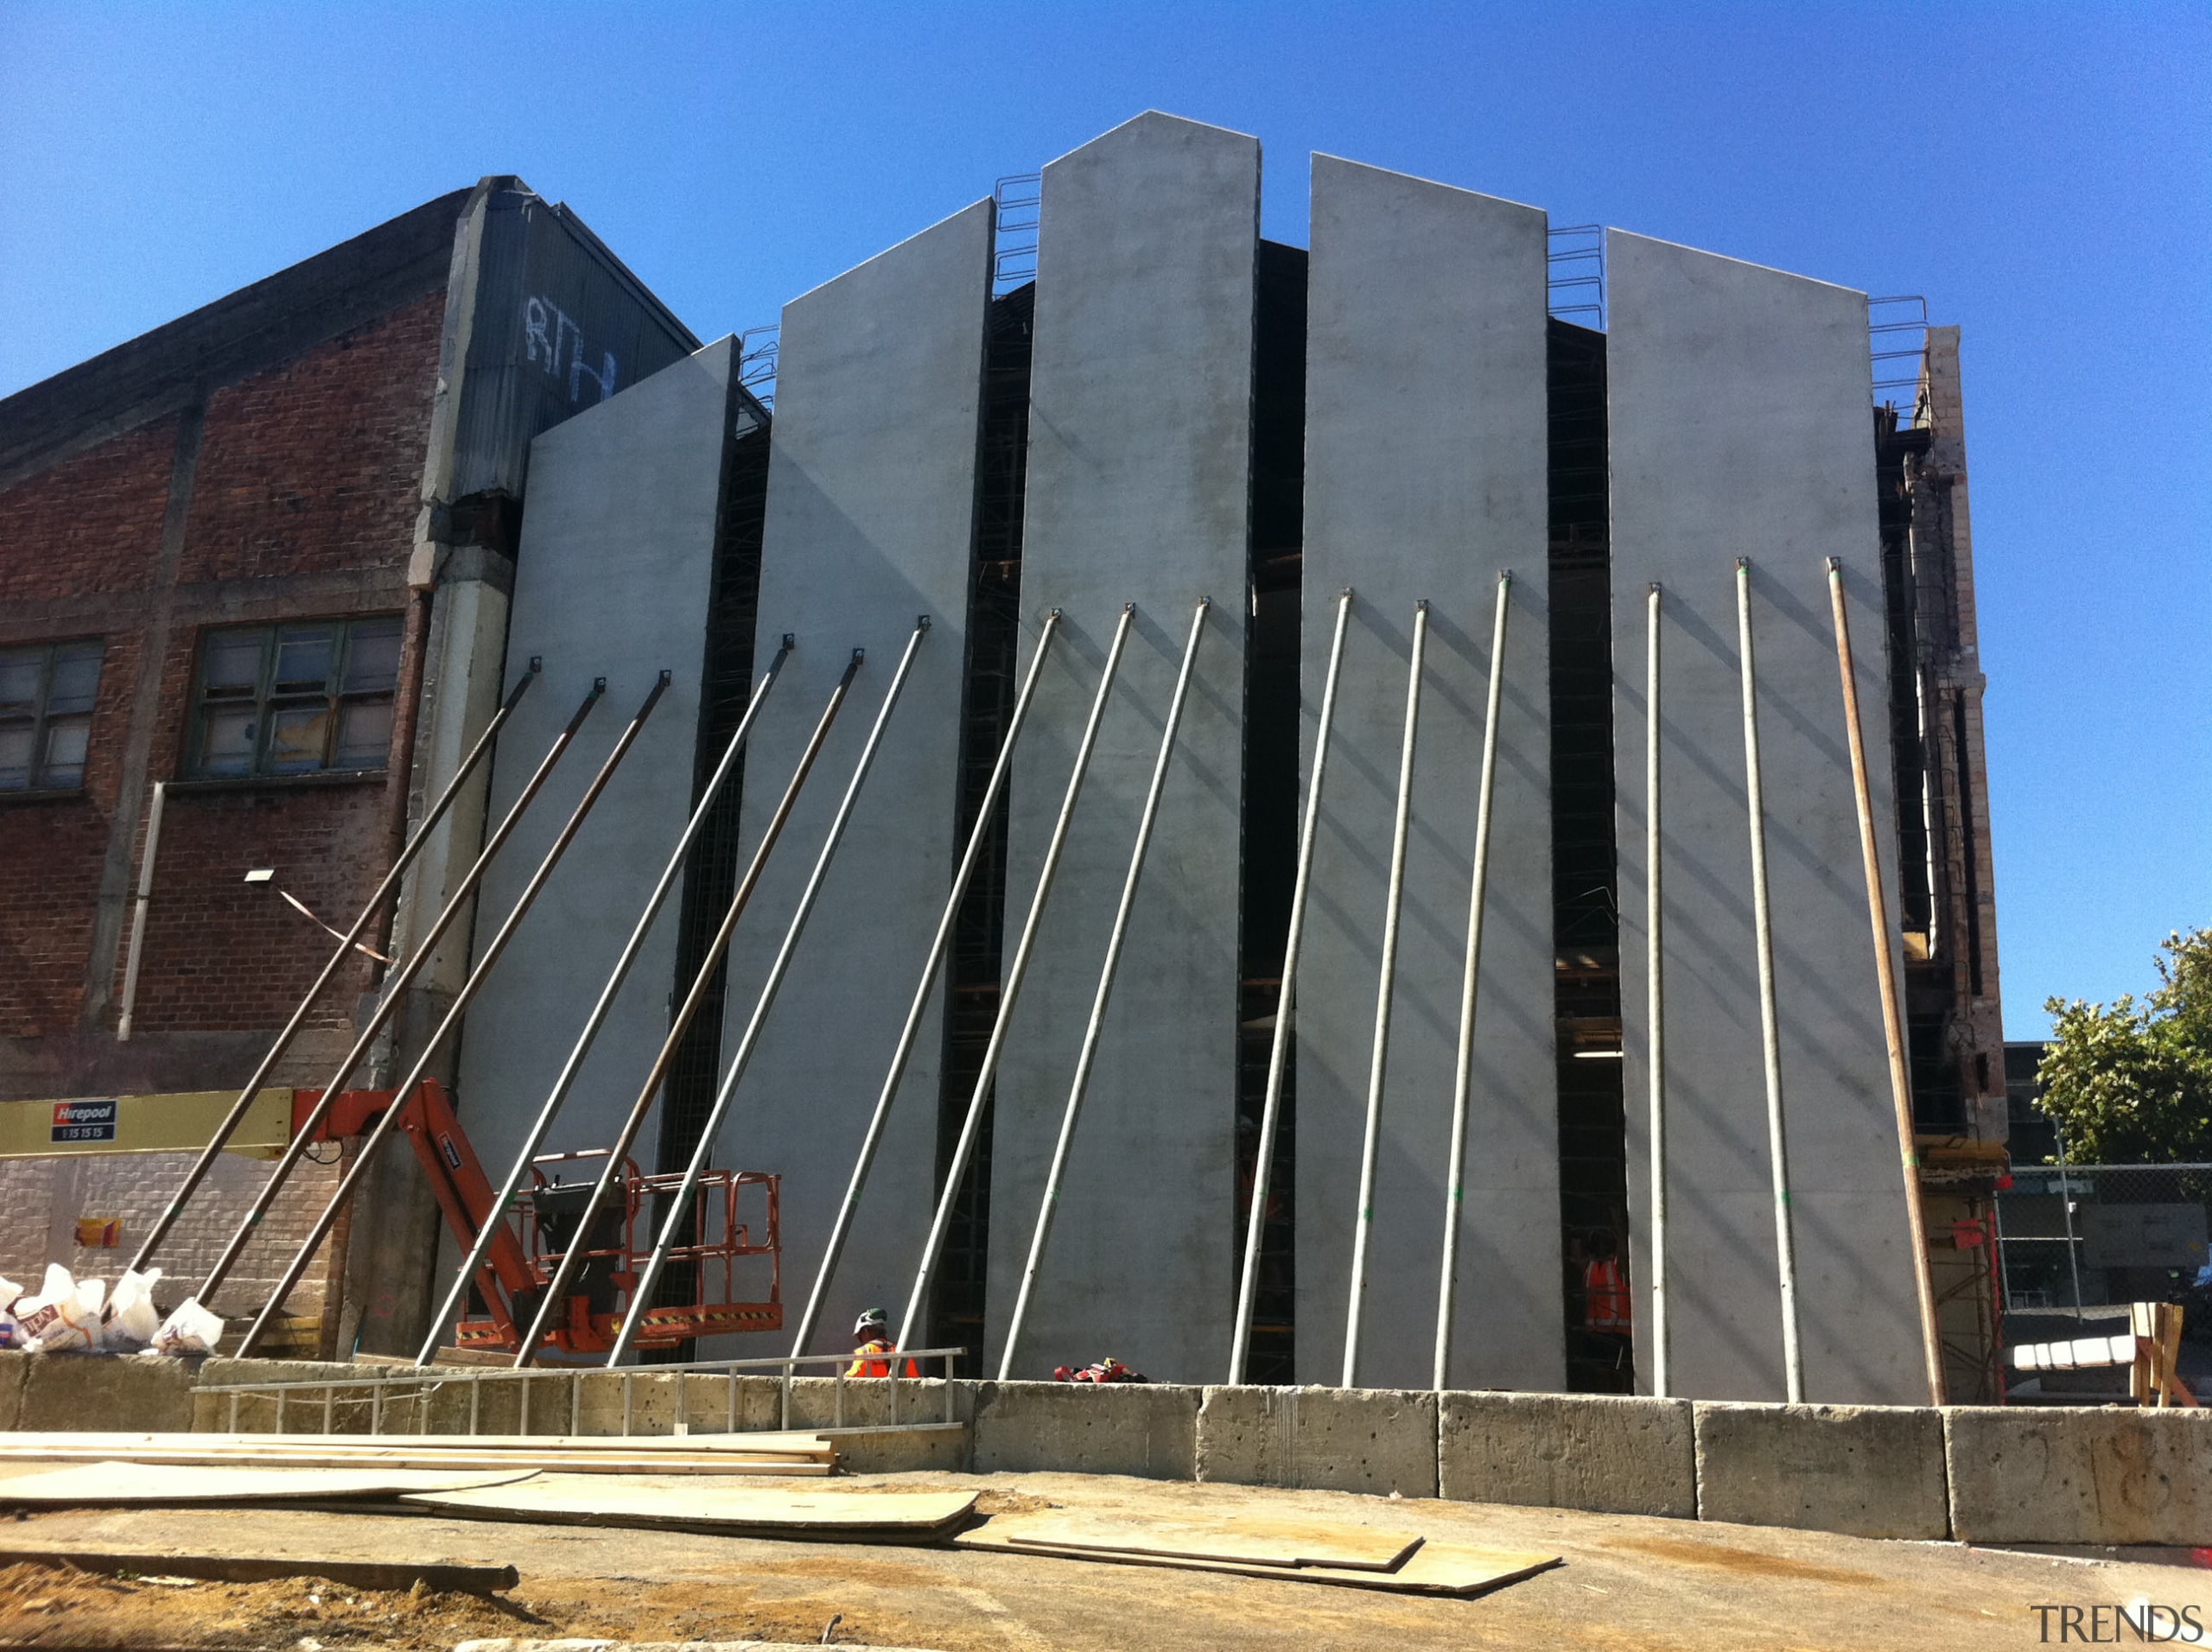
2084, 1238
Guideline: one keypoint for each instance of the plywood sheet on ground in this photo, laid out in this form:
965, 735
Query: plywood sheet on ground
1433, 1569
1255, 1542
160, 1482
593, 1500
437, 1462
775, 1444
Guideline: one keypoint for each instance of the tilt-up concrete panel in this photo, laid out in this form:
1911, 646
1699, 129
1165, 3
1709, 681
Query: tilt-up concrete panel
616, 561
1139, 431
870, 523
1740, 427
1425, 477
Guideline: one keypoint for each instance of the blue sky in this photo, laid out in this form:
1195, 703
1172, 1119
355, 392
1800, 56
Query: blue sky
2041, 173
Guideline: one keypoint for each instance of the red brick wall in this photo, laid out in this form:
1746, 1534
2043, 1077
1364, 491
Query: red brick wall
303, 501
317, 465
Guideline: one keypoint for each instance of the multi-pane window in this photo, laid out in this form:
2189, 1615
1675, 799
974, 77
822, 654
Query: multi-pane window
296, 699
46, 714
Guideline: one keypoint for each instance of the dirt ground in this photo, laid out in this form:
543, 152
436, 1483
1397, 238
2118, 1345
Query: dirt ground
1627, 1583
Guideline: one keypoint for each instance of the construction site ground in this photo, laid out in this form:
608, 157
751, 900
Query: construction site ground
1626, 1582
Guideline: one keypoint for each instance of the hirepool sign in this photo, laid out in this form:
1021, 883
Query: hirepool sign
93, 1120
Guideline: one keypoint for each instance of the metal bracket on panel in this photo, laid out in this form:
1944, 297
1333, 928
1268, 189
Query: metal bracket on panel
791, 640
921, 622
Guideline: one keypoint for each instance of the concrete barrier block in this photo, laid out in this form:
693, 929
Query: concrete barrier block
1146, 1429
1376, 1440
106, 1391
2021, 1474
1864, 1471
12, 1362
1618, 1454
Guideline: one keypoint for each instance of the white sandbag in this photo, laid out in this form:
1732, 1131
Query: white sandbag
191, 1330
46, 1311
11, 1334
132, 1320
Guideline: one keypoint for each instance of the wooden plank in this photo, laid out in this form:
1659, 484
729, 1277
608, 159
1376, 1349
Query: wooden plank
437, 1462
1434, 1568
1229, 1537
258, 1568
813, 1446
158, 1482
824, 1514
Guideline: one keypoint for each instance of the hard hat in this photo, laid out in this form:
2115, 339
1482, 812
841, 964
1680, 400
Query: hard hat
874, 1317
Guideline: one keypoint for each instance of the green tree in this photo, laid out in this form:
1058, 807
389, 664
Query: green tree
2132, 1084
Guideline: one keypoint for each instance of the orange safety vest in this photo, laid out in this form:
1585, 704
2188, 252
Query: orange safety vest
861, 1367
1605, 1295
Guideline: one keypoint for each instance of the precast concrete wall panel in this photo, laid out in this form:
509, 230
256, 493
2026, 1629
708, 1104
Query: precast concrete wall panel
870, 523
1425, 476
1137, 491
615, 565
1740, 427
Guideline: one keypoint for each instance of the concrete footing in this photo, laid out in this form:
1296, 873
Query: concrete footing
1982, 1475
1607, 1453
1865, 1470
1149, 1430
1377, 1441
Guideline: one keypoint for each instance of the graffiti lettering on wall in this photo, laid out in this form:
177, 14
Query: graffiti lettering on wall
547, 331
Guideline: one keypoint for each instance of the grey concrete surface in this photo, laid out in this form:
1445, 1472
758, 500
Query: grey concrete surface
1425, 477
1147, 1430
13, 1362
1138, 492
871, 506
1867, 1470
612, 580
2108, 1475
1739, 428
1626, 1581
95, 1391
1611, 1453
1376, 1440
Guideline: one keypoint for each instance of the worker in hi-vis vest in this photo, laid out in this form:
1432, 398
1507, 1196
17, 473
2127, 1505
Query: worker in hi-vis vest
1605, 1304
871, 1335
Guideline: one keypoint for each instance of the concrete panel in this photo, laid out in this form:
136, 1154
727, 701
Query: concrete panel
1149, 1430
1376, 1441
2102, 1476
1609, 1453
13, 1362
1425, 475
1138, 492
351, 1411
1739, 428
1864, 1471
871, 506
612, 580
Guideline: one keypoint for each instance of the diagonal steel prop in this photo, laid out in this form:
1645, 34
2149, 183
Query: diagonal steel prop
1248, 1286
1463, 1071
413, 847
679, 1206
535, 1138
618, 1156
1091, 1033
899, 1057
477, 976
394, 995
1010, 987
1370, 1142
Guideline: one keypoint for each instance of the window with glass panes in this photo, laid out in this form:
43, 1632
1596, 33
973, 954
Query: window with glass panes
46, 714
297, 699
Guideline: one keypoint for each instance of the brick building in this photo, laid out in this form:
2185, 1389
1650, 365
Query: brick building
246, 557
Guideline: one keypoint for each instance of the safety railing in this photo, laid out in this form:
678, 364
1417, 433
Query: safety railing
402, 1389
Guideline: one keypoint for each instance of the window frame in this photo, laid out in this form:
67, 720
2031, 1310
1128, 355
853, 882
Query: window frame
267, 698
42, 717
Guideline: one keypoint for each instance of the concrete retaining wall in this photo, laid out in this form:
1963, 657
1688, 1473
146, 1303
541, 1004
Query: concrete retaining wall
1613, 1454
1149, 1430
1979, 1474
1867, 1470
1376, 1440
2105, 1475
